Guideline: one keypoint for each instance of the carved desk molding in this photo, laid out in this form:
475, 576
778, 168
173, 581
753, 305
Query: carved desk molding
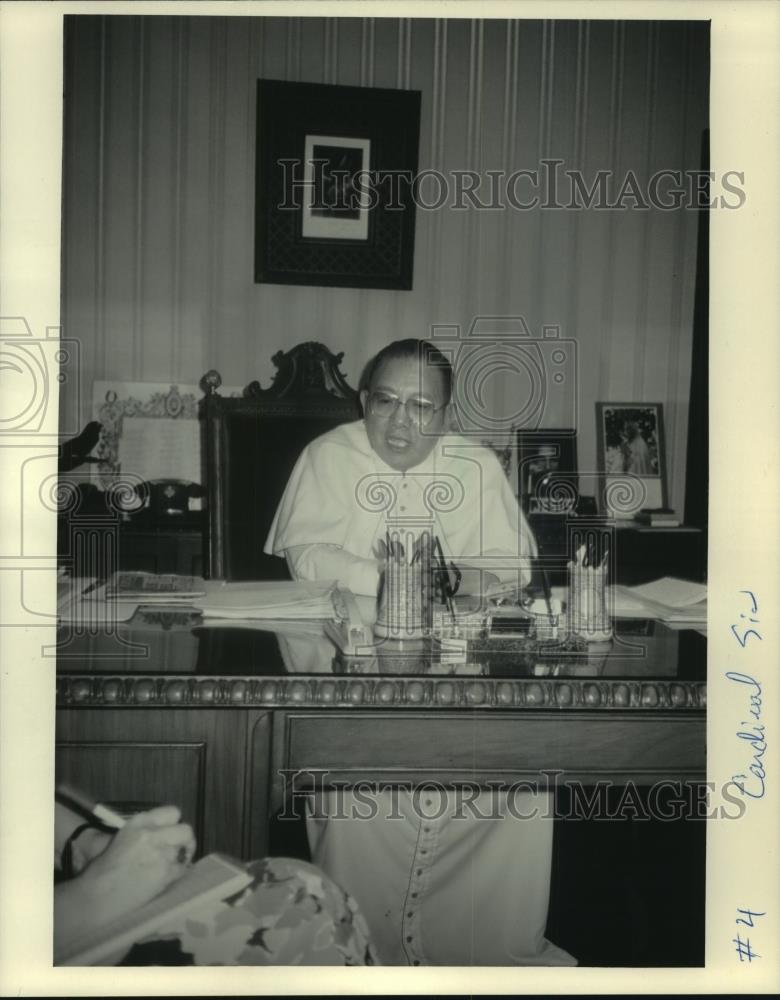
316, 691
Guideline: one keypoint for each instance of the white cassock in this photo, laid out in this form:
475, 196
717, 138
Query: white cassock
440, 882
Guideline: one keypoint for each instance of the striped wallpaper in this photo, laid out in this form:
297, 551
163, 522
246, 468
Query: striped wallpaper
159, 197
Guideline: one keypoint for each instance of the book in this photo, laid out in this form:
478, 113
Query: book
664, 523
155, 588
213, 878
658, 518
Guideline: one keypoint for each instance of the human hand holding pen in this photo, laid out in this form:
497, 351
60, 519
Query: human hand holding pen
88, 846
145, 856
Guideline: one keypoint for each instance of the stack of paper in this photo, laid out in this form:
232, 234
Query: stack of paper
269, 600
70, 590
667, 599
81, 601
294, 629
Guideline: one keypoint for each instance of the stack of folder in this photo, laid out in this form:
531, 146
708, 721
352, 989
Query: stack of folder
268, 600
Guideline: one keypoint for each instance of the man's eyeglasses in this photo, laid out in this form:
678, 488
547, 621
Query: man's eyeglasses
419, 411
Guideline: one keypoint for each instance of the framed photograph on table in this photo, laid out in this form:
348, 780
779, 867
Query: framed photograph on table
335, 179
631, 457
547, 471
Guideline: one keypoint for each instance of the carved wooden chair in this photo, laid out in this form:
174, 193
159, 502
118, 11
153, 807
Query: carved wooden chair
250, 445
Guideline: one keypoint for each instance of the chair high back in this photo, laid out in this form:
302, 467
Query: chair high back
250, 445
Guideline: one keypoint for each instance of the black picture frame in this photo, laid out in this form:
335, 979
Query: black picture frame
547, 480
633, 478
314, 141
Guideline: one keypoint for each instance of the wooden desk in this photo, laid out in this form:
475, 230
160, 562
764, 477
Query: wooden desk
217, 719
175, 545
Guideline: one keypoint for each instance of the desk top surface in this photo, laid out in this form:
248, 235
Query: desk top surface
159, 641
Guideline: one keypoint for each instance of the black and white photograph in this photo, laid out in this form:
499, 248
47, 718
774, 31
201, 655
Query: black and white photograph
631, 439
335, 174
336, 208
365, 440
359, 642
631, 444
547, 470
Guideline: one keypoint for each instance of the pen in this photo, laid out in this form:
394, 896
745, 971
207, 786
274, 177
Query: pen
589, 550
86, 806
81, 803
547, 592
445, 580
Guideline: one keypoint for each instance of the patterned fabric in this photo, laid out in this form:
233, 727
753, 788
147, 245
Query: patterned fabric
290, 914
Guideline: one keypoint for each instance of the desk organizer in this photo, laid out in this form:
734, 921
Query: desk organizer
404, 602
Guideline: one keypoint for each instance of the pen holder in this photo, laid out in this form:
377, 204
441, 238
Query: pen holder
404, 605
588, 617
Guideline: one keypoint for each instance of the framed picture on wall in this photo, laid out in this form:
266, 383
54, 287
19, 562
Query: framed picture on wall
335, 206
335, 177
631, 457
547, 470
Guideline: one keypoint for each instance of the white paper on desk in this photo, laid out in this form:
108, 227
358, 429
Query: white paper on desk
69, 591
672, 592
86, 612
679, 626
284, 626
685, 601
696, 613
80, 602
667, 599
274, 600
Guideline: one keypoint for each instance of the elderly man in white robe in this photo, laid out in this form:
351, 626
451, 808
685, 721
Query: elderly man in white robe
440, 881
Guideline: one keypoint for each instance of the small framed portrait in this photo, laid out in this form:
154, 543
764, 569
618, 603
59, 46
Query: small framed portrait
336, 174
337, 205
631, 457
547, 471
